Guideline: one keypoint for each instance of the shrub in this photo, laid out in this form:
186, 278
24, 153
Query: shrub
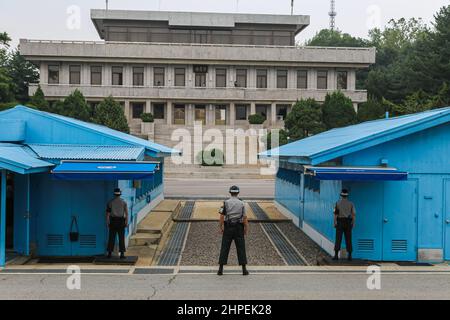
213, 157
110, 113
256, 119
147, 117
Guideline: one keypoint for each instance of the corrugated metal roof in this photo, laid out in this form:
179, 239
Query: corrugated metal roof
16, 158
347, 138
87, 152
153, 147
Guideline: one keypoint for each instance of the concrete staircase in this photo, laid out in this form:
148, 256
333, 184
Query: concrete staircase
150, 231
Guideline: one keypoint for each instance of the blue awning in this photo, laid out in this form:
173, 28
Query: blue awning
356, 174
72, 170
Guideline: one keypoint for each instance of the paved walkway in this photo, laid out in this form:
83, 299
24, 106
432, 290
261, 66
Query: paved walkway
211, 188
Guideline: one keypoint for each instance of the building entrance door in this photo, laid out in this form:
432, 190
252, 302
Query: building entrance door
200, 114
400, 221
447, 219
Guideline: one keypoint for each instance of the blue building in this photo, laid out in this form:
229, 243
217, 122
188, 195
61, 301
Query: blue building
58, 174
398, 174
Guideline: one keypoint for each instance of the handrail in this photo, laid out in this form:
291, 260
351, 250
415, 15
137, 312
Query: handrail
194, 45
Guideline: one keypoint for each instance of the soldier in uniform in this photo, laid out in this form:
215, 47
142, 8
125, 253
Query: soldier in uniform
117, 221
234, 226
344, 221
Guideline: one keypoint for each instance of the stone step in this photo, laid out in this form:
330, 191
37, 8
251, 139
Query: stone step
144, 239
146, 254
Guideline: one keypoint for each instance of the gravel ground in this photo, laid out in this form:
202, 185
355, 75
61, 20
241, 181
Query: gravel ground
308, 248
203, 247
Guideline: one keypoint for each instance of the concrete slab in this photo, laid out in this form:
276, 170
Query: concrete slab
167, 206
209, 211
271, 210
155, 222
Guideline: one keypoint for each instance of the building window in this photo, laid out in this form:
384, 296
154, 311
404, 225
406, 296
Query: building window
302, 79
180, 77
221, 115
262, 110
158, 111
137, 109
201, 37
138, 76
200, 79
179, 114
282, 76
342, 80
282, 111
117, 76
241, 78
96, 75
158, 77
221, 78
75, 74
261, 78
322, 80
53, 74
241, 112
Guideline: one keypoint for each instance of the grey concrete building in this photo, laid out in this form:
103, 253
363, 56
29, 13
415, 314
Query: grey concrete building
184, 67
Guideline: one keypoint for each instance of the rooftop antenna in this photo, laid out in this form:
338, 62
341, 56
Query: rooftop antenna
292, 7
107, 5
237, 6
333, 15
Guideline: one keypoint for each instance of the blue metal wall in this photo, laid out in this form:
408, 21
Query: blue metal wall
394, 219
288, 191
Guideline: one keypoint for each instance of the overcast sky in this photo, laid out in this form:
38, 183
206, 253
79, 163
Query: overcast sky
56, 19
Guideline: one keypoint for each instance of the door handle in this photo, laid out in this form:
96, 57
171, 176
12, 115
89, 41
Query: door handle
386, 220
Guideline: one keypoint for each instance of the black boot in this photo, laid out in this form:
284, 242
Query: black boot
109, 255
122, 256
220, 272
336, 256
244, 270
349, 258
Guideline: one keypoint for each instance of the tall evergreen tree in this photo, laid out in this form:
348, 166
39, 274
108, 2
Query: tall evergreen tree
38, 100
74, 106
110, 113
22, 73
305, 119
338, 111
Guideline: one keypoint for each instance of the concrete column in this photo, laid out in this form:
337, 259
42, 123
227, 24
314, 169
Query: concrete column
232, 114
355, 106
148, 106
169, 112
252, 108
292, 78
148, 78
190, 116
3, 220
106, 75
85, 74
127, 75
273, 114
43, 74
210, 115
351, 81
332, 80
251, 77
127, 110
170, 76
64, 74
312, 79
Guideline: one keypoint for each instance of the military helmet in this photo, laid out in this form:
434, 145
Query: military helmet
234, 190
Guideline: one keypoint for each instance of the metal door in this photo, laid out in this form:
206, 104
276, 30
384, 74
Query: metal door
447, 219
400, 221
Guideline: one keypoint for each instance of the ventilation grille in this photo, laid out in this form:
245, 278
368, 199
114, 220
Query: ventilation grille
366, 245
55, 240
399, 246
88, 241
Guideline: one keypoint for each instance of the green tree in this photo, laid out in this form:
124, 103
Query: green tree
38, 100
335, 38
22, 73
338, 111
74, 106
305, 119
110, 113
283, 138
373, 109
6, 84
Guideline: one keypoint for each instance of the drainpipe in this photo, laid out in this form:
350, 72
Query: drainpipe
27, 217
3, 221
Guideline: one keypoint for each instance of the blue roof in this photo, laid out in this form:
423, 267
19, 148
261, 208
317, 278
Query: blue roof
87, 152
18, 159
154, 149
341, 141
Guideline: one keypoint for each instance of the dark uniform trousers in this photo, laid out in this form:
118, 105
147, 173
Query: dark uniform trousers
344, 227
233, 232
116, 227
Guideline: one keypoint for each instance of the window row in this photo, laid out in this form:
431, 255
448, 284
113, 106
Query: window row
159, 73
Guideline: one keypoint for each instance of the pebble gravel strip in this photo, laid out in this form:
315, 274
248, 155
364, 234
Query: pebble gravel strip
307, 247
203, 247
